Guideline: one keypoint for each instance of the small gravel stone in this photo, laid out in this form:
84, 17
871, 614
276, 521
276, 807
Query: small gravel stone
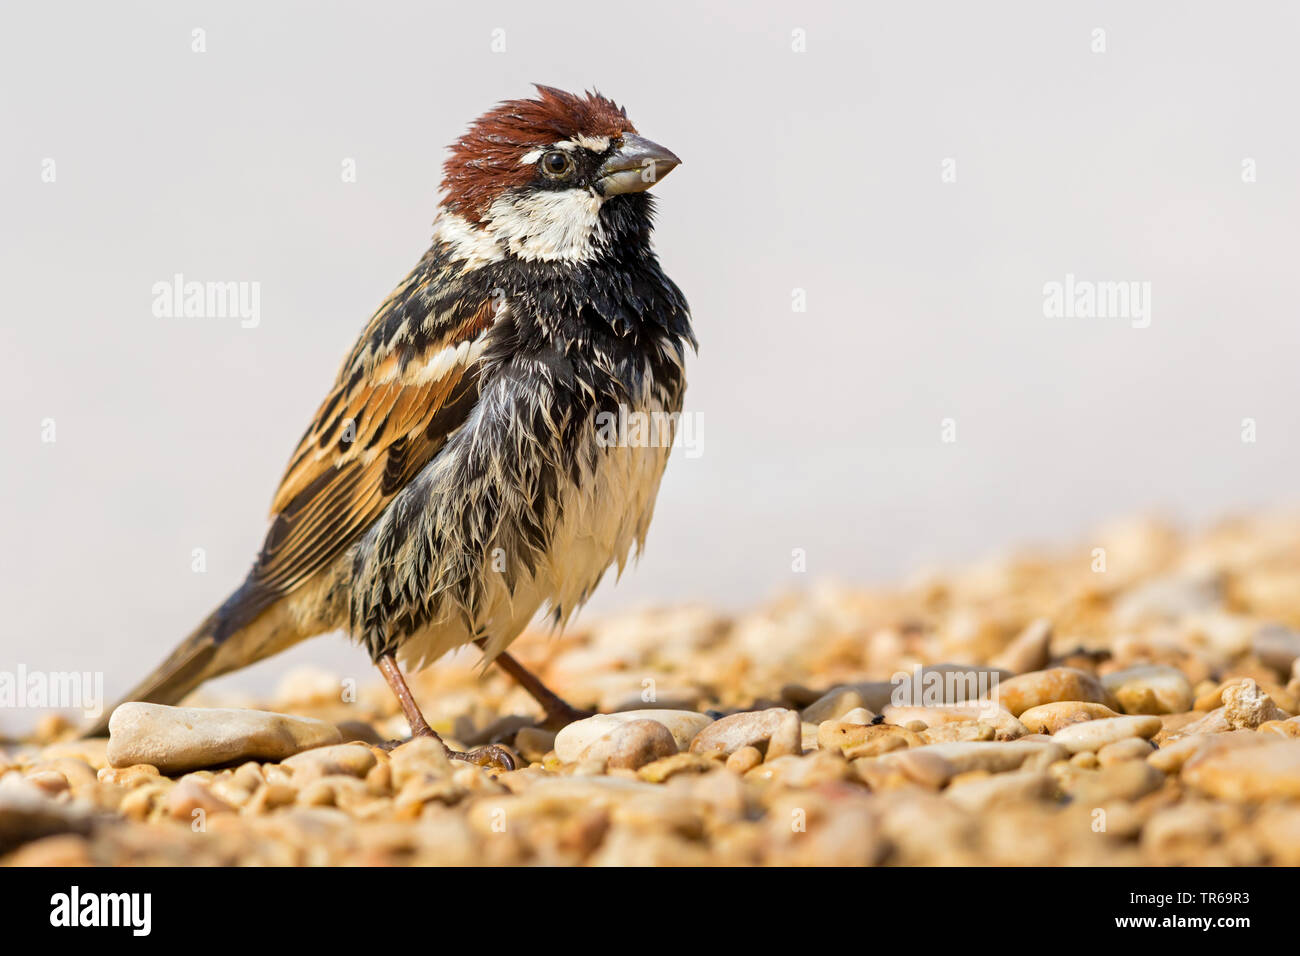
1246, 706
993, 757
189, 798
744, 760
666, 767
635, 744
579, 735
1135, 748
979, 794
965, 730
1030, 651
533, 743
1021, 693
350, 759
1248, 773
129, 777
1095, 734
176, 739
1150, 690
1277, 647
751, 728
1049, 718
27, 813
864, 740
787, 739
833, 704
1129, 780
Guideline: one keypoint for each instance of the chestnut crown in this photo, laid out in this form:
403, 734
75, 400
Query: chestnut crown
556, 141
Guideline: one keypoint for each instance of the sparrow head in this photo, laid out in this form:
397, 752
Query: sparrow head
534, 177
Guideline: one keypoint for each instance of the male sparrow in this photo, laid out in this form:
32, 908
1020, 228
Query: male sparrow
456, 479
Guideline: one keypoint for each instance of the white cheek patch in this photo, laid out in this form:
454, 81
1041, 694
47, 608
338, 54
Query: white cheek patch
548, 226
476, 246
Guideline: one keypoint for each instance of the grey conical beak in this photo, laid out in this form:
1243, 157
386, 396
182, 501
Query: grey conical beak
635, 167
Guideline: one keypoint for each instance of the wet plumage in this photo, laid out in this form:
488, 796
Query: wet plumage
453, 482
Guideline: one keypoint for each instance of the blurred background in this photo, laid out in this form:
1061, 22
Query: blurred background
919, 171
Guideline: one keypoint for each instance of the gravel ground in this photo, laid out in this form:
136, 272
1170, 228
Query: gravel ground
1130, 702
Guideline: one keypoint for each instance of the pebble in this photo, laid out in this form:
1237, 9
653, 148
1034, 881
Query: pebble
579, 735
533, 743
1277, 646
1135, 748
1150, 690
1213, 696
935, 684
835, 703
27, 813
994, 757
92, 751
810, 770
422, 759
744, 760
749, 729
350, 759
1284, 728
129, 777
662, 769
1005, 726
176, 739
1049, 718
1248, 773
190, 801
1128, 780
1021, 693
1176, 595
859, 715
632, 745
76, 773
1172, 756
965, 730
979, 794
860, 740
787, 739
1095, 734
1246, 706
1030, 651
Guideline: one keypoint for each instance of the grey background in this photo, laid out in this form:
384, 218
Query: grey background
817, 171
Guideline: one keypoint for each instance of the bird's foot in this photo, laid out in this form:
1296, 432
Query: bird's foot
490, 757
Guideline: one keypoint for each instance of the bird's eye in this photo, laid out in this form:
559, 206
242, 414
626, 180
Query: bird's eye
557, 164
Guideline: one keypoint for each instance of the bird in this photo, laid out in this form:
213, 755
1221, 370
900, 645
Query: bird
457, 481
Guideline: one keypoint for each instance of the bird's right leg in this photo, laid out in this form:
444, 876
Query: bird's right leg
559, 712
489, 756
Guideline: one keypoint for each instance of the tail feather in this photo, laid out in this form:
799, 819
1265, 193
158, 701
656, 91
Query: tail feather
228, 639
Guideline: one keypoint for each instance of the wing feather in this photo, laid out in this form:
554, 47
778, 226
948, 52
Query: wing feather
396, 399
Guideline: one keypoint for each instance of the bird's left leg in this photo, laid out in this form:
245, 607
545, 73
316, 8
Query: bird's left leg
489, 756
559, 712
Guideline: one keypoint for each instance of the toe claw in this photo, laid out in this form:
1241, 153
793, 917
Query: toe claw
490, 757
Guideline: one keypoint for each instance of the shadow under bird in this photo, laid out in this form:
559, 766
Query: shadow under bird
456, 481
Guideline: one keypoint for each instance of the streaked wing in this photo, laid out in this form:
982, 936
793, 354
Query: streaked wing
411, 380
